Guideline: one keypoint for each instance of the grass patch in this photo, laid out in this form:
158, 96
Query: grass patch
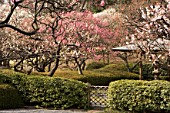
102, 76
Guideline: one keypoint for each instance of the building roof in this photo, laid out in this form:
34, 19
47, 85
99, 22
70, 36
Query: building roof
154, 45
126, 48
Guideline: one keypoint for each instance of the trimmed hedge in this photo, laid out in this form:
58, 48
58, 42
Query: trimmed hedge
103, 79
52, 92
4, 78
113, 67
102, 76
95, 65
98, 77
9, 97
139, 96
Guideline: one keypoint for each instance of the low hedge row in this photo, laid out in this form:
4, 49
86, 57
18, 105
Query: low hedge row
100, 77
139, 96
51, 92
129, 95
9, 97
5, 78
103, 79
95, 65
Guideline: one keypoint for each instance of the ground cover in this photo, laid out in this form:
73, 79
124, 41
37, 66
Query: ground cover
101, 76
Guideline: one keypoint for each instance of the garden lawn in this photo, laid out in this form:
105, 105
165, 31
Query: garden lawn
102, 76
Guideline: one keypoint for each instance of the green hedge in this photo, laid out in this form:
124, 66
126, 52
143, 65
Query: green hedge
139, 96
98, 77
51, 92
95, 65
148, 74
4, 78
103, 79
109, 73
102, 76
9, 97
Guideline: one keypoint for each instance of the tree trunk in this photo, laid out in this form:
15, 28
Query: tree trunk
140, 68
80, 70
55, 67
169, 66
124, 57
29, 71
83, 65
156, 71
17, 64
49, 67
83, 6
56, 62
108, 57
1, 58
103, 57
40, 67
78, 66
6, 63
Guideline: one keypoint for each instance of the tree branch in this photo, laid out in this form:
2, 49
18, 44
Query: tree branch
19, 30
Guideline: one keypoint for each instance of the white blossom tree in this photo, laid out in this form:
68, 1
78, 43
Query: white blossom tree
149, 30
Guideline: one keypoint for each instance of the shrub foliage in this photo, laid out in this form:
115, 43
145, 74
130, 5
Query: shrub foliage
103, 79
49, 92
98, 77
102, 76
52, 92
9, 97
95, 65
139, 96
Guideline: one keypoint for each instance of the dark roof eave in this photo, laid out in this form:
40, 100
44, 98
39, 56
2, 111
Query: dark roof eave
122, 50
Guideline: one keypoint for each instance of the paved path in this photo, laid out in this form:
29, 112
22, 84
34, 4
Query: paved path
48, 111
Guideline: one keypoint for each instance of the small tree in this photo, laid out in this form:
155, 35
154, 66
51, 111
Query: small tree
78, 36
36, 8
149, 31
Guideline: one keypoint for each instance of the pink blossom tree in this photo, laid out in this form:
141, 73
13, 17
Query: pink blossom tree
26, 17
74, 35
87, 36
37, 8
115, 22
77, 37
36, 50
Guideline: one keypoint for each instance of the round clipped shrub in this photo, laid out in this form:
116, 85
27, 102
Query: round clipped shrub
9, 97
95, 65
139, 96
52, 92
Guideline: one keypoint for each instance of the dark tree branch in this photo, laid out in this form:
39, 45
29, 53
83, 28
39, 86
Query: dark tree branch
19, 30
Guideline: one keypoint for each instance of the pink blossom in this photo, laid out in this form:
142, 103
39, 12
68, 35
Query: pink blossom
168, 6
102, 3
13, 1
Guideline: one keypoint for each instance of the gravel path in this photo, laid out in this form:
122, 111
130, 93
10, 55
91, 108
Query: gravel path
48, 111
39, 111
